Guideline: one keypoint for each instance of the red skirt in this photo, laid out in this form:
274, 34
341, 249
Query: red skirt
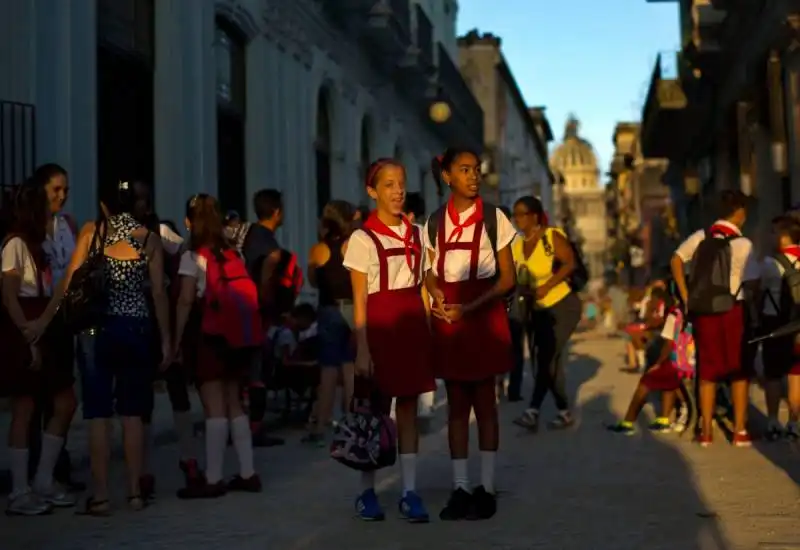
479, 345
719, 343
400, 343
665, 377
57, 351
209, 359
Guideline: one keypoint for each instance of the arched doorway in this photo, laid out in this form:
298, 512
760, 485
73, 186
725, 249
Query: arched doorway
322, 146
365, 155
229, 54
125, 56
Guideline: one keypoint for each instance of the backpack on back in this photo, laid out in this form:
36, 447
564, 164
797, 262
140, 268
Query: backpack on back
709, 283
231, 309
789, 307
579, 277
683, 347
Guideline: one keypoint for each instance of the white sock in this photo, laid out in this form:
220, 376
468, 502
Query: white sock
460, 474
487, 470
243, 443
640, 358
19, 471
408, 466
51, 448
183, 428
147, 446
367, 481
426, 402
216, 442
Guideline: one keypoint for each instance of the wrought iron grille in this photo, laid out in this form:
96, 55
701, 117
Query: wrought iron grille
17, 146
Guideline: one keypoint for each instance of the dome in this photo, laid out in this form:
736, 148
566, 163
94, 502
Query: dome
575, 154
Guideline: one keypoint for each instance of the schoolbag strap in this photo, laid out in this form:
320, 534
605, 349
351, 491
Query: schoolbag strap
768, 296
787, 265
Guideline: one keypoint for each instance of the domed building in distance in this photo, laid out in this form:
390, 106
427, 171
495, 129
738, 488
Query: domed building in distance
579, 200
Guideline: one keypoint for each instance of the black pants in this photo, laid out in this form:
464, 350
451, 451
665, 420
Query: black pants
552, 329
176, 381
519, 329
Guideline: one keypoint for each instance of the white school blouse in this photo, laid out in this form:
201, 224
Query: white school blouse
744, 264
195, 266
362, 256
16, 257
456, 262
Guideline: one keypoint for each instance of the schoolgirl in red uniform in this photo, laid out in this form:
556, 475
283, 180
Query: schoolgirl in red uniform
386, 264
468, 279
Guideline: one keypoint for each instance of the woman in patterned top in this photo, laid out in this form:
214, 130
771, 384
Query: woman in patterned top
119, 356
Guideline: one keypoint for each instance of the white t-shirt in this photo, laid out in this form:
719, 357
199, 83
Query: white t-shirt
456, 262
668, 331
281, 338
362, 256
744, 263
194, 265
170, 240
772, 282
16, 257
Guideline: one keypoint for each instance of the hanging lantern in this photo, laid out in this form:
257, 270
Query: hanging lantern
440, 112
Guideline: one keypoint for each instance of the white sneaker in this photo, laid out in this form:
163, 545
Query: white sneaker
56, 496
27, 504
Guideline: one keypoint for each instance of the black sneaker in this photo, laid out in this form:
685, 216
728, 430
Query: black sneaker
458, 507
484, 504
774, 433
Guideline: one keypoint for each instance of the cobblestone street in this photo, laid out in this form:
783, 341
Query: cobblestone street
582, 490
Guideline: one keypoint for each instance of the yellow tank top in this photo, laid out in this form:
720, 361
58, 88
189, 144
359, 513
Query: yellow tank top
540, 267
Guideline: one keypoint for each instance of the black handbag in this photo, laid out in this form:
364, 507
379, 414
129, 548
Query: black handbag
85, 299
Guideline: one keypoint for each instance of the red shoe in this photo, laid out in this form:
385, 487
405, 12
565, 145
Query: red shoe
703, 440
742, 439
191, 472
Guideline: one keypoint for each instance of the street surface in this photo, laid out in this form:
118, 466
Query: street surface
584, 489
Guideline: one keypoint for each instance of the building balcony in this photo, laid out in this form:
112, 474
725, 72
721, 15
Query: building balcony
384, 24
665, 110
465, 124
418, 70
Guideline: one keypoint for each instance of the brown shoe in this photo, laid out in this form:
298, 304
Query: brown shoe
147, 486
203, 490
250, 485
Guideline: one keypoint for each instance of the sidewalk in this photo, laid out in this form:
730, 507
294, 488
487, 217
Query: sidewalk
584, 489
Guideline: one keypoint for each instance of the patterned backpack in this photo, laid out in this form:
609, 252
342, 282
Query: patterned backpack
683, 347
365, 439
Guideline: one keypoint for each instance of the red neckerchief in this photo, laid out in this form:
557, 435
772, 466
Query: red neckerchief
458, 228
375, 225
723, 229
792, 250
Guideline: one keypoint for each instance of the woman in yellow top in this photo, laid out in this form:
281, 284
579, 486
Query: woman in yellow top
544, 261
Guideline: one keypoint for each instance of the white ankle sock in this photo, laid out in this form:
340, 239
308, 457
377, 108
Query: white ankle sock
367, 481
216, 442
19, 471
487, 470
640, 358
51, 448
408, 466
183, 428
460, 474
243, 443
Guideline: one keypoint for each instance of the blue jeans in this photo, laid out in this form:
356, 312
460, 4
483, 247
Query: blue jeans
335, 346
117, 367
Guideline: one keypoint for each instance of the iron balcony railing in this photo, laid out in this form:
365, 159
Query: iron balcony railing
17, 146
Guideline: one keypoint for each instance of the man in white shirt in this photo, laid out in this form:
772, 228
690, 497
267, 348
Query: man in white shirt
717, 310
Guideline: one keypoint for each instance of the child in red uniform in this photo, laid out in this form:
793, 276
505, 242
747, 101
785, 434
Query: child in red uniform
386, 265
471, 272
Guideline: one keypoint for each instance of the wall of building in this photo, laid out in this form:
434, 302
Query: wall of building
48, 58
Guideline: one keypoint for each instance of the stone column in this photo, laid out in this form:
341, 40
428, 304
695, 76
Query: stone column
259, 142
66, 93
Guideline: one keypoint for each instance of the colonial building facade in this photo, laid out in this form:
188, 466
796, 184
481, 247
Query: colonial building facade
230, 96
515, 143
579, 199
728, 116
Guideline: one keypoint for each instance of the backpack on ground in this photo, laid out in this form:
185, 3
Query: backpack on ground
365, 439
709, 282
231, 310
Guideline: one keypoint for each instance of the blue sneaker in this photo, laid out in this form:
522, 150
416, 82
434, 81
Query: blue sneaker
412, 508
368, 508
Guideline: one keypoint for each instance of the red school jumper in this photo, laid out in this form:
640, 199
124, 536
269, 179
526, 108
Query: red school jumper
478, 346
718, 337
397, 325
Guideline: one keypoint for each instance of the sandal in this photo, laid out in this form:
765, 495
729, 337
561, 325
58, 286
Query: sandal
136, 503
96, 508
528, 419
